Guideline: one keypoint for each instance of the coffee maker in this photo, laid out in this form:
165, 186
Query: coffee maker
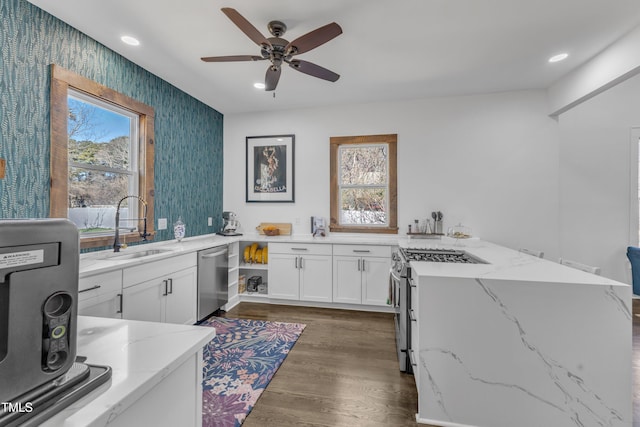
39, 265
230, 224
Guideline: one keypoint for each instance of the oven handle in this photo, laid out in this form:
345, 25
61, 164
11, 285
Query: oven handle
393, 278
411, 352
392, 289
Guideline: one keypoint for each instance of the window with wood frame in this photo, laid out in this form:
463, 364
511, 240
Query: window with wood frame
91, 168
364, 184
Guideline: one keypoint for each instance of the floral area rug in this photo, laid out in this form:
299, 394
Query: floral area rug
239, 363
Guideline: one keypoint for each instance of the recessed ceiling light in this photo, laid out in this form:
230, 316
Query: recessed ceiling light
559, 57
130, 40
259, 85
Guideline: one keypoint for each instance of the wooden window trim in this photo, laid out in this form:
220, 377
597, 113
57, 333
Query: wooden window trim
335, 143
61, 81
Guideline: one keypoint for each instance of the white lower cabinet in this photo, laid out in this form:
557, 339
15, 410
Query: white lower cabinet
300, 272
169, 299
101, 295
361, 274
168, 295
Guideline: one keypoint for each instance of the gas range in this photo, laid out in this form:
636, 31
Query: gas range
440, 255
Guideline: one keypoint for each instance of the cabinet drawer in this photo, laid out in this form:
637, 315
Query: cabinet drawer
99, 284
300, 248
151, 270
362, 250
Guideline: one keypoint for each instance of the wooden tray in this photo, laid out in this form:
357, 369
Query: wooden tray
284, 227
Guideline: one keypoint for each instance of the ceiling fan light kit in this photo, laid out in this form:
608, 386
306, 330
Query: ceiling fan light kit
278, 50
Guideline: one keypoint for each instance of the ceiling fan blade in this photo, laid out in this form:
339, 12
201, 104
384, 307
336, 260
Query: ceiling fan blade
314, 70
247, 28
272, 77
232, 58
313, 39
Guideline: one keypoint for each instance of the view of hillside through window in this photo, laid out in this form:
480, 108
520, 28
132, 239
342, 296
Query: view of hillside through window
102, 163
363, 182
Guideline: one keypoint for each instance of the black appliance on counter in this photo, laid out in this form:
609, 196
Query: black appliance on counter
39, 262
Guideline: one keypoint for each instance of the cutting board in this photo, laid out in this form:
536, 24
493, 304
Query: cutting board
284, 227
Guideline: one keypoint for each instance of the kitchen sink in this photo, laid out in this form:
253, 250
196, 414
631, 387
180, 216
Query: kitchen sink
117, 256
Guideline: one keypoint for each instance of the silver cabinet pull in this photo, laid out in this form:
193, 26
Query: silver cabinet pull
413, 285
121, 301
412, 315
90, 289
166, 288
299, 249
362, 251
301, 266
359, 268
362, 265
296, 262
170, 286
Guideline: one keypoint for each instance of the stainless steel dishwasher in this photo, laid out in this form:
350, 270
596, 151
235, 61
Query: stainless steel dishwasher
213, 279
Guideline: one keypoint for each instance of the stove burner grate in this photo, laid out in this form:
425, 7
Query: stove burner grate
440, 255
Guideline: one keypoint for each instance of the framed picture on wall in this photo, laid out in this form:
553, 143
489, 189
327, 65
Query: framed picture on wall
270, 168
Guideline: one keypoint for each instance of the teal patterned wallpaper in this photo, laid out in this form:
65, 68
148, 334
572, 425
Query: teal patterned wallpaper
188, 152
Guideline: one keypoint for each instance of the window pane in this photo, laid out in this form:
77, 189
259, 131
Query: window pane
364, 165
365, 206
93, 197
98, 136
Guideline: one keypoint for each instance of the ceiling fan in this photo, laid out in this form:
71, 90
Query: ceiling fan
279, 51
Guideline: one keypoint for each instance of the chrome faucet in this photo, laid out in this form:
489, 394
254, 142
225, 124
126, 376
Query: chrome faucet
143, 234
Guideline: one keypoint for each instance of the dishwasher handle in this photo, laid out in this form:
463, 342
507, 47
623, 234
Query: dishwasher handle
215, 254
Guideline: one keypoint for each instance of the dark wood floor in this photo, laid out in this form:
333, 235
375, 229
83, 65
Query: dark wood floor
343, 371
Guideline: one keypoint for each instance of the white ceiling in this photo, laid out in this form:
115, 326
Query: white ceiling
389, 50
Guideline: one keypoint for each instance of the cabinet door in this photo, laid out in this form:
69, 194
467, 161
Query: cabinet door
181, 300
347, 280
375, 280
144, 301
315, 278
283, 276
105, 305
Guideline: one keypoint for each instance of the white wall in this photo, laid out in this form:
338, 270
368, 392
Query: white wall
598, 219
488, 161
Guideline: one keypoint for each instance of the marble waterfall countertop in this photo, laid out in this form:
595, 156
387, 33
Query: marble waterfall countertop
502, 263
140, 354
520, 341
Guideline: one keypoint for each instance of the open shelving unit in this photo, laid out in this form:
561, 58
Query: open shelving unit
249, 269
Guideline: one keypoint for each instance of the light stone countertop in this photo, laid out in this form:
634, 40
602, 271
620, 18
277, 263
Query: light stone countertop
503, 264
92, 263
140, 354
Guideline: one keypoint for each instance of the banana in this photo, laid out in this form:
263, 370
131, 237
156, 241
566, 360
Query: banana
252, 252
258, 256
247, 252
265, 255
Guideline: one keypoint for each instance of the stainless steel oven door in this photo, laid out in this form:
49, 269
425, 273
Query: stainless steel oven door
398, 301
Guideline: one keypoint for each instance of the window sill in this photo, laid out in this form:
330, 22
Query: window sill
363, 229
107, 241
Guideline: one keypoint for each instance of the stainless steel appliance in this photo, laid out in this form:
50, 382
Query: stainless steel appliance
39, 375
440, 255
213, 280
400, 281
39, 262
230, 224
397, 289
